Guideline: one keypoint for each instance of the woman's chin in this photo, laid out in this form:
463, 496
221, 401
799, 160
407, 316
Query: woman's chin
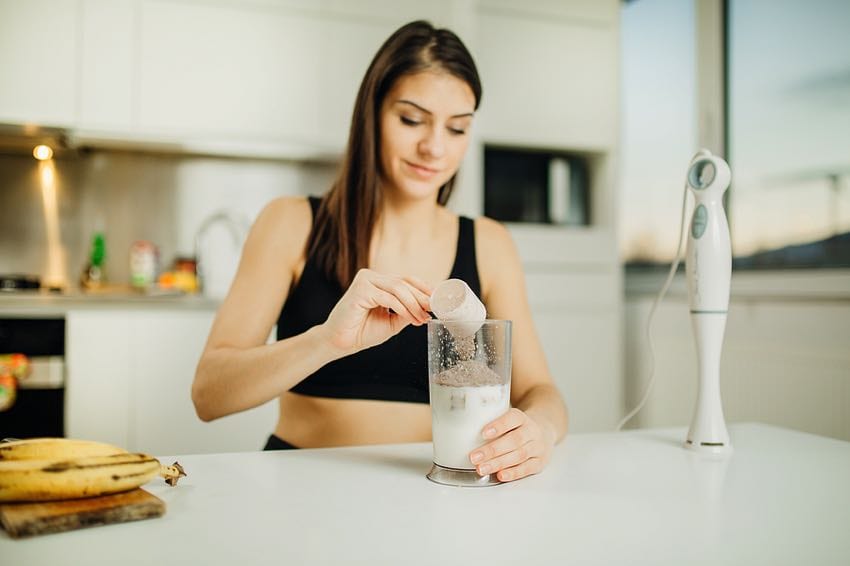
417, 190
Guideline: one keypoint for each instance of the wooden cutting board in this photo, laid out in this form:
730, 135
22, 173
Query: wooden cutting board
28, 519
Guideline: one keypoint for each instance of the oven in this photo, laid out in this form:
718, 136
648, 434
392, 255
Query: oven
39, 409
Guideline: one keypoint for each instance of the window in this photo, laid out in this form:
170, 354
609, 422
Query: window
658, 126
789, 132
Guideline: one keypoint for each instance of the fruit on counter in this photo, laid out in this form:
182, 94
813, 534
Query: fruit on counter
13, 367
56, 479
179, 280
16, 365
8, 391
55, 448
182, 277
48, 469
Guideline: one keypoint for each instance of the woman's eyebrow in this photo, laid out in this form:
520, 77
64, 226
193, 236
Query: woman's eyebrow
426, 111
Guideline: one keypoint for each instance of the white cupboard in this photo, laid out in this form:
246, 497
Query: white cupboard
38, 62
107, 78
221, 70
548, 82
129, 377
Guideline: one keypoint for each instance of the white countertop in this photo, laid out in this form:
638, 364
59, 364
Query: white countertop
43, 303
635, 497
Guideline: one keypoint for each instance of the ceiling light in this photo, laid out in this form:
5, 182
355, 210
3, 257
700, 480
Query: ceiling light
42, 152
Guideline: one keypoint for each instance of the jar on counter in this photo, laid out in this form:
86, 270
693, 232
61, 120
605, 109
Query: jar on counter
144, 258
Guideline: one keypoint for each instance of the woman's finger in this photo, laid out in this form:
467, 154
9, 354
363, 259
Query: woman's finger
502, 445
529, 467
420, 285
403, 293
512, 458
423, 299
509, 421
381, 298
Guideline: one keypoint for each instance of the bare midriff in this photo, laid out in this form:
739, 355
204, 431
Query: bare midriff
316, 422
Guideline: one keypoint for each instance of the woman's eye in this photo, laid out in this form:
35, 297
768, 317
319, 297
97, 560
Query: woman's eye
409, 121
457, 131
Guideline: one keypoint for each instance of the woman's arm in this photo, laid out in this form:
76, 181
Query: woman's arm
238, 370
522, 440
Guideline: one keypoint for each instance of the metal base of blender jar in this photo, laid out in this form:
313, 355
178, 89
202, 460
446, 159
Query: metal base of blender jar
460, 478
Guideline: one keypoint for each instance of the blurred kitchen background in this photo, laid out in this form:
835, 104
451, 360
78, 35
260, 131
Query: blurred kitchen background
168, 124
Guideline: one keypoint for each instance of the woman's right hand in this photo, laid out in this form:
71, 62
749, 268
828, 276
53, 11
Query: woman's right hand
374, 308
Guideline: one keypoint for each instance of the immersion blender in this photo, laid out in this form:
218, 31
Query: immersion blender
709, 273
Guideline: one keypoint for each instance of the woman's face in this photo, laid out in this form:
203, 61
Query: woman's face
425, 121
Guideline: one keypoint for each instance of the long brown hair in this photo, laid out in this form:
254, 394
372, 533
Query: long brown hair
342, 229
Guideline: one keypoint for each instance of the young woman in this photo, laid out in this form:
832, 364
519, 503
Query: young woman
347, 280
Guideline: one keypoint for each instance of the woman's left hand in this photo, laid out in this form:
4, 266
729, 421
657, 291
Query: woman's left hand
521, 447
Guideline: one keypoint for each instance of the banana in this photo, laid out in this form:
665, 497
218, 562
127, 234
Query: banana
49, 480
55, 449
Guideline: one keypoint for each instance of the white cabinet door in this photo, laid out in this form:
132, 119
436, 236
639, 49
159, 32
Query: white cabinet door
166, 347
107, 65
548, 82
38, 61
215, 70
129, 379
577, 316
346, 52
97, 383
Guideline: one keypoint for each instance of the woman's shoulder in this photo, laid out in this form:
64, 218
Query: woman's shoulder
284, 225
287, 208
492, 235
496, 254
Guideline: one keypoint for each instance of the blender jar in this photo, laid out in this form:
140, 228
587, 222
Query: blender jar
469, 378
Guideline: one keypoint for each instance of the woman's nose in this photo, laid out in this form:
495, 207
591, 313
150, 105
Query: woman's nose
433, 144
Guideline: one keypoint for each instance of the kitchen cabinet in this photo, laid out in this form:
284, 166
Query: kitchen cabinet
222, 74
345, 55
224, 70
97, 379
551, 74
577, 316
129, 383
107, 72
38, 62
287, 72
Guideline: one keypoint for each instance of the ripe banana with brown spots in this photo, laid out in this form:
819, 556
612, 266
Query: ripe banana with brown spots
55, 448
72, 478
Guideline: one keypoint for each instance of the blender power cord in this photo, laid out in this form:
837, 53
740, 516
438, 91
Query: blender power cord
655, 304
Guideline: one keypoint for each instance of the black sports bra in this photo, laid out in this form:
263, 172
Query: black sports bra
396, 370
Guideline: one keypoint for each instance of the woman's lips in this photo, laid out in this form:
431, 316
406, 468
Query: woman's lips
421, 170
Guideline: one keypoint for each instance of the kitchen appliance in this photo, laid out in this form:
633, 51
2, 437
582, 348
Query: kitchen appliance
708, 274
39, 408
538, 186
10, 282
469, 383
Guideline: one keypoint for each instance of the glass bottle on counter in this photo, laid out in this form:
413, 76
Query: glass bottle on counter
94, 275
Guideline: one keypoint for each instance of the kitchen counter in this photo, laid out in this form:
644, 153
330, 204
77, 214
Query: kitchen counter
634, 497
41, 303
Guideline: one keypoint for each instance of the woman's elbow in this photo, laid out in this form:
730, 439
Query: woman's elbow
204, 407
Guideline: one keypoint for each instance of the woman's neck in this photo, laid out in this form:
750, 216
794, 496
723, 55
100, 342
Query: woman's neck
407, 226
